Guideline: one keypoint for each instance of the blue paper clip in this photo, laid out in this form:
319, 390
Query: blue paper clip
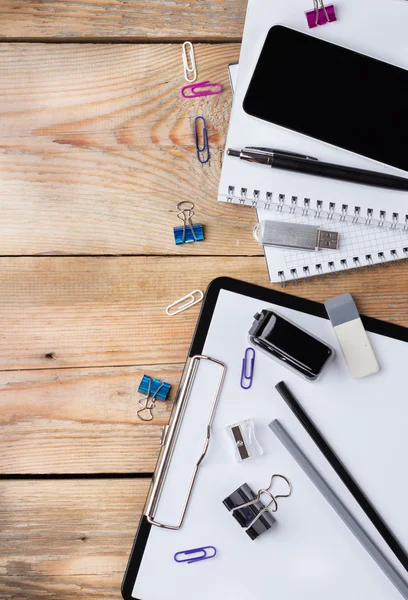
202, 556
204, 149
154, 387
189, 232
245, 376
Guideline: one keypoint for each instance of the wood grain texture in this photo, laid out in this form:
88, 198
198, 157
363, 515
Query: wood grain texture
66, 540
79, 312
97, 149
107, 96
122, 20
66, 312
80, 420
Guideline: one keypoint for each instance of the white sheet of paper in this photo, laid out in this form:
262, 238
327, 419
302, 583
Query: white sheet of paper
310, 554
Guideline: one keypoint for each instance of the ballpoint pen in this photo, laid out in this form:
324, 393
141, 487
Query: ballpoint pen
300, 163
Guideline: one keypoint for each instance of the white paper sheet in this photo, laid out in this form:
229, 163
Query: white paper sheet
310, 554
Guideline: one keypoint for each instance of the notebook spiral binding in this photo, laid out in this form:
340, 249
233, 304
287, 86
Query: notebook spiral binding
368, 262
305, 208
297, 207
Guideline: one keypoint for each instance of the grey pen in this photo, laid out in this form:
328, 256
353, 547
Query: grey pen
308, 165
345, 515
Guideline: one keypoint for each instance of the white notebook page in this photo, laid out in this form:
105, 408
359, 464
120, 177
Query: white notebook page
359, 246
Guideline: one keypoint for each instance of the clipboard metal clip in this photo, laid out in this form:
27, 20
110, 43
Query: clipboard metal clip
171, 438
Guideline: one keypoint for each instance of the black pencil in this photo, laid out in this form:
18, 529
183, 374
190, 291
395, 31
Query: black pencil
344, 475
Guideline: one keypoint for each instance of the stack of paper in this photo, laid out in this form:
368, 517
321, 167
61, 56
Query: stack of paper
376, 28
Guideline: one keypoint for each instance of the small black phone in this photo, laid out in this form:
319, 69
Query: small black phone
331, 93
289, 344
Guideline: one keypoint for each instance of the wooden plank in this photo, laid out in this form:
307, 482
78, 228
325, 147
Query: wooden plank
67, 540
79, 312
97, 149
80, 420
107, 96
61, 587
121, 20
103, 311
62, 312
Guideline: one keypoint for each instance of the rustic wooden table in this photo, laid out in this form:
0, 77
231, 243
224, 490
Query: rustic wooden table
96, 149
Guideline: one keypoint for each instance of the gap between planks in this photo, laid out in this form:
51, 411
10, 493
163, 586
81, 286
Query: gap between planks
116, 41
69, 476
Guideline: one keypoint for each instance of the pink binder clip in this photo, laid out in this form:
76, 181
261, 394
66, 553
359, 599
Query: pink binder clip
204, 88
320, 16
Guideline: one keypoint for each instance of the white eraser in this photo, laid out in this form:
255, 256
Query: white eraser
352, 336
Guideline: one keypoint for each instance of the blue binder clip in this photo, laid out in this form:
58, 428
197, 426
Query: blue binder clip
188, 232
153, 389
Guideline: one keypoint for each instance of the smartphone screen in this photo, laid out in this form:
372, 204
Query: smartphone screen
333, 94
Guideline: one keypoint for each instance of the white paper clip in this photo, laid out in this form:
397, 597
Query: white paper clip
190, 72
193, 300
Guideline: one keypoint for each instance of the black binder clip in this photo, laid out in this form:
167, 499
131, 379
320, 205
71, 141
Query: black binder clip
250, 512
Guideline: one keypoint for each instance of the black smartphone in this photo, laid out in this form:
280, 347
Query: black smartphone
328, 92
289, 344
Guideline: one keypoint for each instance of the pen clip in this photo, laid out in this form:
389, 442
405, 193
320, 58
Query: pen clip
272, 151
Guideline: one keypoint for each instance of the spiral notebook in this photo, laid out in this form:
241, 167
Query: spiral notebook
372, 222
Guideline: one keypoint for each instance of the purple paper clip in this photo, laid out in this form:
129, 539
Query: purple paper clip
245, 376
202, 556
212, 89
320, 16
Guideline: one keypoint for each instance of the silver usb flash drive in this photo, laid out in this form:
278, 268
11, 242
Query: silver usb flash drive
295, 235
